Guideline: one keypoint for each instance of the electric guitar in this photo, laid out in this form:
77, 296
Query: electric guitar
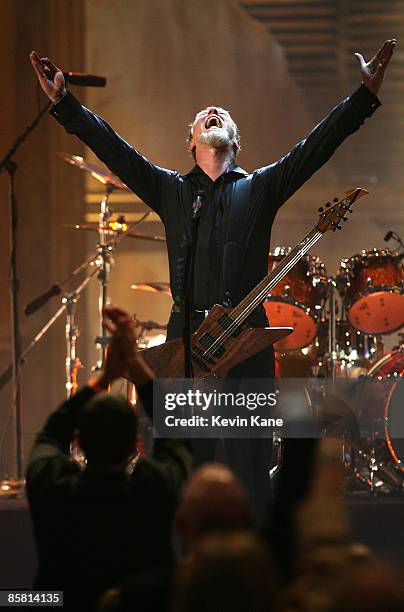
224, 339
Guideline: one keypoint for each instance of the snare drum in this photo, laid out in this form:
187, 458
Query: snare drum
373, 292
297, 300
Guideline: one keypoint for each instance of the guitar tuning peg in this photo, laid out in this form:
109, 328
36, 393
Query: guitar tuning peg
328, 204
350, 211
335, 200
321, 209
339, 227
345, 218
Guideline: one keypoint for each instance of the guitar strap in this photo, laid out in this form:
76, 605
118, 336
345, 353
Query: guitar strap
233, 251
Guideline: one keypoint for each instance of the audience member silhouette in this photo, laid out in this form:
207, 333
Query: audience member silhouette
95, 526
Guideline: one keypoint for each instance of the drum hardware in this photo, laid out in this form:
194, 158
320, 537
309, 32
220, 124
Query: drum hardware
104, 248
153, 287
332, 322
276, 456
69, 302
104, 261
114, 230
73, 363
392, 235
105, 251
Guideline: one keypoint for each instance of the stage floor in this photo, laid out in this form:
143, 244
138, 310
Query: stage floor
378, 523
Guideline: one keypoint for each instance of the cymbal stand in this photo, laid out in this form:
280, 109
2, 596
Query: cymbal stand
104, 250
73, 363
332, 326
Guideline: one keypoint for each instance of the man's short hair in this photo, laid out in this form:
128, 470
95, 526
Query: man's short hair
108, 427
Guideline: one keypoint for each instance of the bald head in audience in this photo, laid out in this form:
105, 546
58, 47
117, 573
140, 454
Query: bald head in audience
214, 500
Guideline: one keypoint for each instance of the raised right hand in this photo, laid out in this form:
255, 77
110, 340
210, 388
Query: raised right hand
49, 76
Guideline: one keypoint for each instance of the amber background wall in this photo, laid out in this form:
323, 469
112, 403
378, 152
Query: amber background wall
164, 60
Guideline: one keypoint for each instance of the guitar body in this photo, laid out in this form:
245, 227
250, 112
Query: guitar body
167, 360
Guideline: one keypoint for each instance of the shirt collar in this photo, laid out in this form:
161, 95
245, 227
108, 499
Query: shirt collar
231, 168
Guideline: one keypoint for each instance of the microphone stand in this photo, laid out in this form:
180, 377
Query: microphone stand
55, 289
72, 361
189, 286
8, 165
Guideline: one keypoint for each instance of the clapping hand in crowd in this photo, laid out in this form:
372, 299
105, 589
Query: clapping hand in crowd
122, 357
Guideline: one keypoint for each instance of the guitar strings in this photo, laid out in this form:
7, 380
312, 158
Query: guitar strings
285, 265
305, 245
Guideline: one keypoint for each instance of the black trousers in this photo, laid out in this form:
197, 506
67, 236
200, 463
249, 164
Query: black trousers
250, 459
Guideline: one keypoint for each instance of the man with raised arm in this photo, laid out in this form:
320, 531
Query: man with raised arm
238, 211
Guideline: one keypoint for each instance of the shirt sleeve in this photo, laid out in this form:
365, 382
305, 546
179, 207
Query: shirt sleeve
138, 173
285, 176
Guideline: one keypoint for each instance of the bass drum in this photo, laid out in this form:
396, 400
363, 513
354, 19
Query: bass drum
296, 300
378, 460
391, 368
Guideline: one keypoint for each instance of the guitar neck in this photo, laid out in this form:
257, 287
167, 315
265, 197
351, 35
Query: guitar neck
240, 312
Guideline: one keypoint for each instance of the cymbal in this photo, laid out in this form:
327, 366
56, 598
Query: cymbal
115, 230
163, 288
101, 174
150, 325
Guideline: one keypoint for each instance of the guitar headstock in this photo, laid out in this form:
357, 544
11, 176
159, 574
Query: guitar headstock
332, 215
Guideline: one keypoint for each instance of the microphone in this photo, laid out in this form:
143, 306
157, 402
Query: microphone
388, 236
197, 204
42, 300
84, 80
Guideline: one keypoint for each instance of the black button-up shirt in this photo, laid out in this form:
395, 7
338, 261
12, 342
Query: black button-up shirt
171, 194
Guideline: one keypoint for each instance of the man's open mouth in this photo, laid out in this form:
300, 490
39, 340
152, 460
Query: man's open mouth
213, 121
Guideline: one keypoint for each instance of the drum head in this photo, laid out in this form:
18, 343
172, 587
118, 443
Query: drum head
380, 312
394, 422
390, 368
281, 313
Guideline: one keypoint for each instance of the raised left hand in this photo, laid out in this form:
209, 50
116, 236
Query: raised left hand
373, 72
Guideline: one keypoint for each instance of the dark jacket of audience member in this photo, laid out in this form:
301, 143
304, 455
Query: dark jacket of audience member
94, 527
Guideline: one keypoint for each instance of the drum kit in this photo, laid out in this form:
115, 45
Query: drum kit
340, 321
339, 326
